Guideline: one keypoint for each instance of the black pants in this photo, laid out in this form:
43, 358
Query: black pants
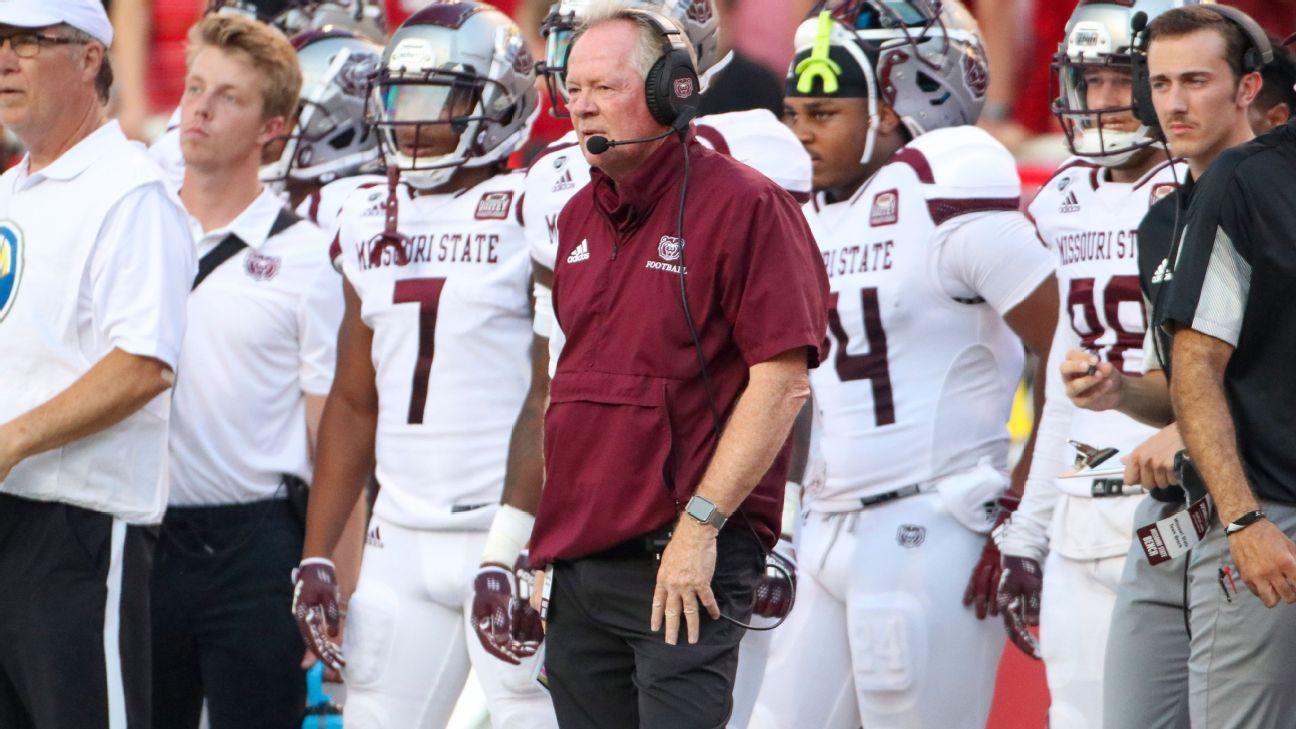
74, 637
608, 670
222, 622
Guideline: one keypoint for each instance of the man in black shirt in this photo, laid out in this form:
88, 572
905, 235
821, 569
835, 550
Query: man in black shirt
1227, 301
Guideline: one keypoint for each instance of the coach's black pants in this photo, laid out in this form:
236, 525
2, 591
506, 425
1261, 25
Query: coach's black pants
74, 639
607, 670
222, 622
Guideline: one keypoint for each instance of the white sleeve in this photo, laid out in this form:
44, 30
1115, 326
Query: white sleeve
556, 341
994, 255
140, 274
319, 316
543, 321
1027, 532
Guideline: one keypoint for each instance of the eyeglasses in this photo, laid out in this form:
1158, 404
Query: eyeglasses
27, 45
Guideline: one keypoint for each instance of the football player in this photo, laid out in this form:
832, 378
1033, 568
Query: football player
755, 137
1070, 536
936, 280
365, 18
433, 355
330, 150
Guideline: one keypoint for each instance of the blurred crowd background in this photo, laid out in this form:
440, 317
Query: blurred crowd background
1021, 37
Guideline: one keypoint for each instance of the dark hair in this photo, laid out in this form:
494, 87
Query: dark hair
1279, 78
1187, 20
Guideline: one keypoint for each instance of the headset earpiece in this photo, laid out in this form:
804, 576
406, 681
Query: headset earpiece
671, 85
1260, 53
1144, 111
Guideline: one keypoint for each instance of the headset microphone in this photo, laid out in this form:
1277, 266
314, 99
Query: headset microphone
599, 144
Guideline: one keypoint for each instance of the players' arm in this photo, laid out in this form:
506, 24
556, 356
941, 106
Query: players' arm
997, 257
112, 390
753, 436
1264, 555
346, 438
1033, 320
1096, 385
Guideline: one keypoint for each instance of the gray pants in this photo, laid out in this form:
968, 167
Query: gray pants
1145, 682
1243, 655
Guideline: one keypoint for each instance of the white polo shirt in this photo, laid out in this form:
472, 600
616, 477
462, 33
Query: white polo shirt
94, 255
262, 334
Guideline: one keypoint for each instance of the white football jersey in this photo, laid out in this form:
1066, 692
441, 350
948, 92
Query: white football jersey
922, 263
756, 138
322, 206
451, 343
1091, 225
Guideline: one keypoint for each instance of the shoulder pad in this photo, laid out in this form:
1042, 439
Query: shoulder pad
759, 140
961, 162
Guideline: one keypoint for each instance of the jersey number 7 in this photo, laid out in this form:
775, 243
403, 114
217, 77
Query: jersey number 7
872, 366
426, 292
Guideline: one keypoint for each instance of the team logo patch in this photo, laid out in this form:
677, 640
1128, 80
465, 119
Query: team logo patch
700, 11
564, 183
11, 265
1159, 192
976, 74
683, 87
262, 268
911, 536
669, 248
494, 206
1070, 204
886, 208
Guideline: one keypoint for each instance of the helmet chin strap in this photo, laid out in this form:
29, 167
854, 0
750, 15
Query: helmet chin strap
1134, 142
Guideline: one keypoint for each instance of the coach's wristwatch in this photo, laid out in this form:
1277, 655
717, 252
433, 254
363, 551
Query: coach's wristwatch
705, 512
1244, 521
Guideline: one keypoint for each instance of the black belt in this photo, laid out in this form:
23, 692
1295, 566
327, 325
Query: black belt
912, 489
651, 543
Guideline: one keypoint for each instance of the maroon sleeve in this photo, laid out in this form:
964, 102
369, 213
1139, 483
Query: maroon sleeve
774, 287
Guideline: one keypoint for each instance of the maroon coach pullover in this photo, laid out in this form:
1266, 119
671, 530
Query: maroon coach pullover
628, 433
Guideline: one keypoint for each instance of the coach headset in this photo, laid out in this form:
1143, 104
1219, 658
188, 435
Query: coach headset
1258, 53
672, 92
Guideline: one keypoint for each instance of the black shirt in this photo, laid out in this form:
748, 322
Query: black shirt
1235, 279
1163, 222
742, 85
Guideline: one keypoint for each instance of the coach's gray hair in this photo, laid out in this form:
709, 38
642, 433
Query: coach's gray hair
649, 45
104, 79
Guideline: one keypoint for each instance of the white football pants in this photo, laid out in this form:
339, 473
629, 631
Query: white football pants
879, 636
409, 640
1075, 617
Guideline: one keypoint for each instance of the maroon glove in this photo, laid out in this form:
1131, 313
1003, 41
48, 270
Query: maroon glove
776, 591
315, 607
985, 575
502, 617
1019, 601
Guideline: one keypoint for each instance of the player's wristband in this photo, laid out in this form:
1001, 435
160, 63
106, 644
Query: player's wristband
509, 533
1244, 521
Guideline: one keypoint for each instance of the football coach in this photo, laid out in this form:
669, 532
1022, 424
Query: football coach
692, 300
95, 266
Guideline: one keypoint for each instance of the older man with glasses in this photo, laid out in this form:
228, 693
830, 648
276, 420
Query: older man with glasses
95, 265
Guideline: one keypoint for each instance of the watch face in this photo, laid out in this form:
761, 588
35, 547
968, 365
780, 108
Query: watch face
700, 509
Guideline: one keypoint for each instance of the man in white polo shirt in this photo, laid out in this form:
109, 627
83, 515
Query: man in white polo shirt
95, 262
256, 365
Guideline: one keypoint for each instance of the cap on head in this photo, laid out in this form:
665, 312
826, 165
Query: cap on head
87, 16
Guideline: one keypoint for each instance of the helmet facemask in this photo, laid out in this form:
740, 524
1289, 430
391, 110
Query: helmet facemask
1107, 135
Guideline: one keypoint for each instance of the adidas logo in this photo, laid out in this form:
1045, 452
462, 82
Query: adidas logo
374, 538
564, 183
1071, 204
1162, 273
580, 253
